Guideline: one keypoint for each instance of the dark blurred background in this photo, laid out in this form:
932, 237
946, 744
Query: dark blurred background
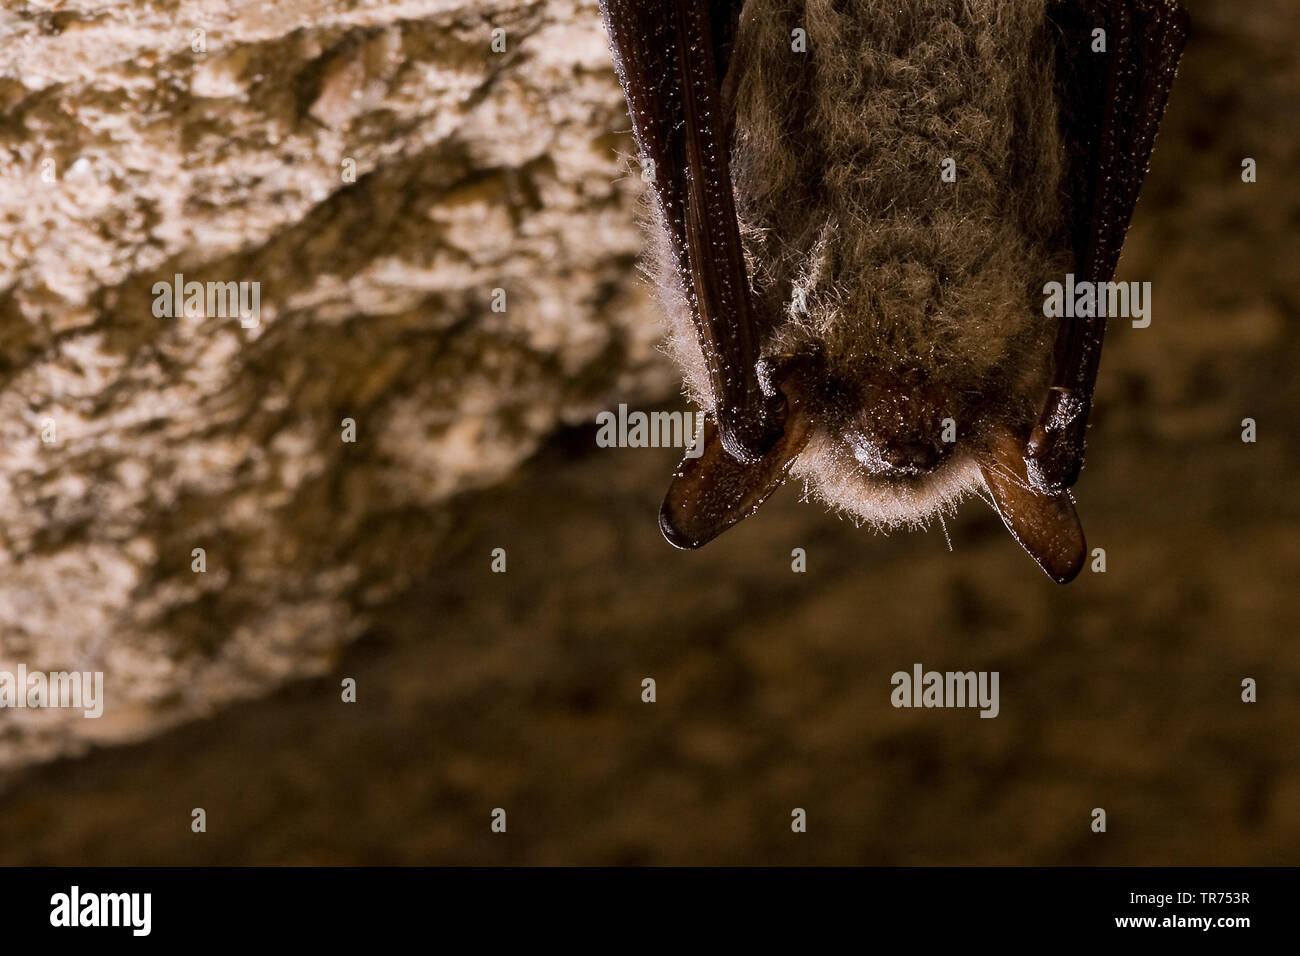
1121, 691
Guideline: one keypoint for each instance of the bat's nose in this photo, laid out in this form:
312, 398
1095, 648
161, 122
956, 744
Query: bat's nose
896, 456
900, 428
914, 457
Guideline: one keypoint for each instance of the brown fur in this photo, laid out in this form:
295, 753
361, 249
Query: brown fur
856, 247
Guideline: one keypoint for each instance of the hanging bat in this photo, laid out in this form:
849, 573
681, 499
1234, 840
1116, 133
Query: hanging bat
843, 311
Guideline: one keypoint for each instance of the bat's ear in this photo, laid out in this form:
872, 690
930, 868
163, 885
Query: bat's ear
714, 491
1044, 523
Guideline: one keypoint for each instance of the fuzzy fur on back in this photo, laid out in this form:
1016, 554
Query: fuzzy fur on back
854, 243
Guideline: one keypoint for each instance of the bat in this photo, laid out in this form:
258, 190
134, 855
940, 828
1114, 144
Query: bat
855, 206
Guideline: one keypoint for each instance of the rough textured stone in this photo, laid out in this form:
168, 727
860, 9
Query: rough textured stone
474, 171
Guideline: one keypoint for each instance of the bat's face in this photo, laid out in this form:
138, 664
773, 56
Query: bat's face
894, 426
886, 445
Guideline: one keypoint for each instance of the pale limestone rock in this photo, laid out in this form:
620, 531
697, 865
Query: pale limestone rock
474, 171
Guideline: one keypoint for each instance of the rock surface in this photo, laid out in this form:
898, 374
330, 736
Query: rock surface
444, 245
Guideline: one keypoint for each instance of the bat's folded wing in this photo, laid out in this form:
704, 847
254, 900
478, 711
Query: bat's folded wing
671, 57
1111, 89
